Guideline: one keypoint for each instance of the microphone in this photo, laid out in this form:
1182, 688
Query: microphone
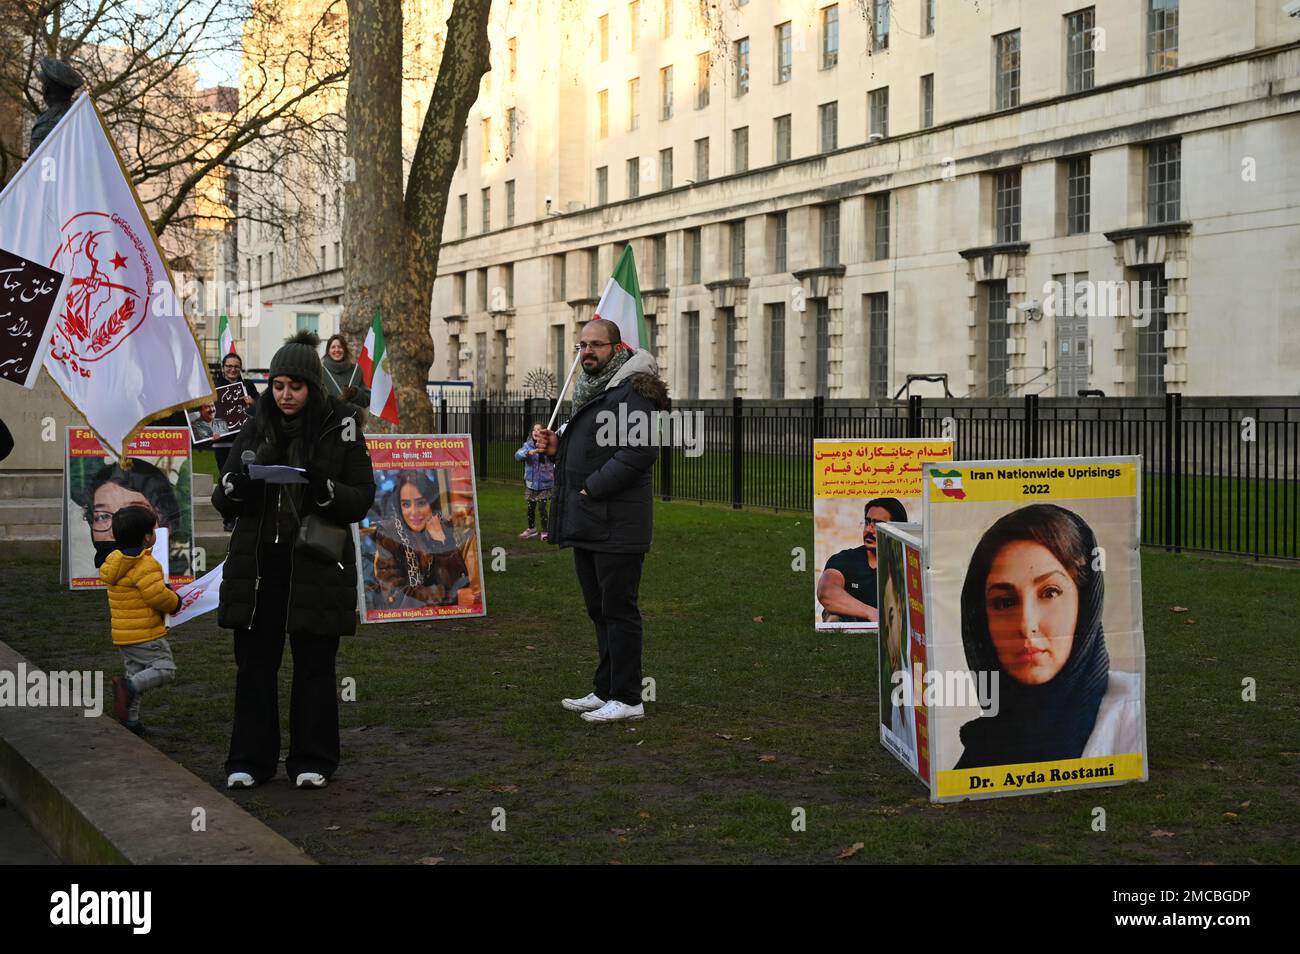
246, 458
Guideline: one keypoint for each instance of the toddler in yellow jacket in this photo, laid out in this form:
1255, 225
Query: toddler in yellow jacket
137, 600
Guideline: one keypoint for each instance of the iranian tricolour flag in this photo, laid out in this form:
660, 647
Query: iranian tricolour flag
621, 302
227, 339
948, 482
374, 366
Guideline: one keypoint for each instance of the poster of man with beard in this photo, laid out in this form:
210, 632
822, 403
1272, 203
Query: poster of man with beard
858, 485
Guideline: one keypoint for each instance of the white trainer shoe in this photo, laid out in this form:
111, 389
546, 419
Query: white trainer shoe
310, 780
239, 780
615, 711
588, 703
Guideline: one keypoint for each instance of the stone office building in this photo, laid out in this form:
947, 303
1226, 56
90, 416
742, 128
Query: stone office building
1029, 197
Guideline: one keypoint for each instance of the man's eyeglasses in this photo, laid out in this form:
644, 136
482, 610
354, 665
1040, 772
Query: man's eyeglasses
592, 345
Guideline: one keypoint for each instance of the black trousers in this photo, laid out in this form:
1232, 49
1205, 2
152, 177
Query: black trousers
313, 700
609, 584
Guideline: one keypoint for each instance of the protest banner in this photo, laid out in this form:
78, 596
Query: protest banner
29, 295
418, 547
901, 650
96, 487
856, 484
209, 422
1032, 620
119, 347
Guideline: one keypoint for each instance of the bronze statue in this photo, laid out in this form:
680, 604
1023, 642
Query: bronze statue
59, 82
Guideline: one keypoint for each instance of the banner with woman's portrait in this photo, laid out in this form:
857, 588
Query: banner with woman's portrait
857, 484
418, 548
1033, 609
159, 476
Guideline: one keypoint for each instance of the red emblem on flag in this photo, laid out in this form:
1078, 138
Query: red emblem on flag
110, 282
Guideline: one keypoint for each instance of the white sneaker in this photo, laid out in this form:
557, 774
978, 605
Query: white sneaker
310, 780
615, 711
239, 780
588, 703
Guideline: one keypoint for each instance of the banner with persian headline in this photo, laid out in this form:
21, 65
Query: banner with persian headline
858, 484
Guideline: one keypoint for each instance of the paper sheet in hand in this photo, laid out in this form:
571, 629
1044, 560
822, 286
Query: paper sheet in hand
199, 597
277, 473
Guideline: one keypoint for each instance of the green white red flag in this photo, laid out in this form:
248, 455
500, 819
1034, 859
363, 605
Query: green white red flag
621, 303
373, 361
226, 338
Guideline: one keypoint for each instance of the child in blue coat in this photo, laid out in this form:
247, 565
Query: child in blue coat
539, 482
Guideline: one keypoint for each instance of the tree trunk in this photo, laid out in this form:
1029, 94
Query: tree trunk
394, 235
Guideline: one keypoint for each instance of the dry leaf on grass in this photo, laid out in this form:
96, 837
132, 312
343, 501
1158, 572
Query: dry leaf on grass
1161, 833
1230, 815
852, 850
767, 758
1189, 621
723, 735
331, 827
429, 861
1178, 609
758, 619
503, 789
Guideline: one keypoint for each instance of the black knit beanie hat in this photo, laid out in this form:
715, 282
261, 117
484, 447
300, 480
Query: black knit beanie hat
298, 358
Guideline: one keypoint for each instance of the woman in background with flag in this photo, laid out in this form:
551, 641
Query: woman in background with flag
343, 378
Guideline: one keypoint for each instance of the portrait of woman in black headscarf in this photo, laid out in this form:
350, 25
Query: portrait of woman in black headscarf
417, 560
1031, 614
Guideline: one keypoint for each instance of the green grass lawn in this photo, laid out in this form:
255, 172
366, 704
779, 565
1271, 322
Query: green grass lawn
457, 719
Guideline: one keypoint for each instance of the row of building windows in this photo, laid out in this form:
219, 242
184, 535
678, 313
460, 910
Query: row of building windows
875, 334
1163, 167
1163, 176
1070, 374
1081, 43
1082, 40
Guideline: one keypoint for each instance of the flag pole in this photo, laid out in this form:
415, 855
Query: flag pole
563, 391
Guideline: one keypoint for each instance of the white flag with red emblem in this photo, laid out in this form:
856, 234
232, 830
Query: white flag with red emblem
120, 347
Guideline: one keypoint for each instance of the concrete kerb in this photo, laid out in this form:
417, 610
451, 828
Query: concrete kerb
99, 795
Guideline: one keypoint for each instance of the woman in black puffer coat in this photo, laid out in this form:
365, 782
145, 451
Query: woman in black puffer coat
272, 589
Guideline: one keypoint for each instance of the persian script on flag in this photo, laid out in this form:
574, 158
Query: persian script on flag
29, 294
119, 345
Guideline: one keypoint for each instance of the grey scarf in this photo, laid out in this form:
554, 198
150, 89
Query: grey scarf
588, 386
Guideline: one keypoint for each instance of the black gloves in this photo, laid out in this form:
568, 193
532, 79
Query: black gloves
322, 488
236, 485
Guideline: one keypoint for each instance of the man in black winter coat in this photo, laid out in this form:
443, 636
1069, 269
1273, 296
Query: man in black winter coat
604, 505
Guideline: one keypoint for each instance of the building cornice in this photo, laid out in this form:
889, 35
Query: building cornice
1002, 248
833, 271
1144, 231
